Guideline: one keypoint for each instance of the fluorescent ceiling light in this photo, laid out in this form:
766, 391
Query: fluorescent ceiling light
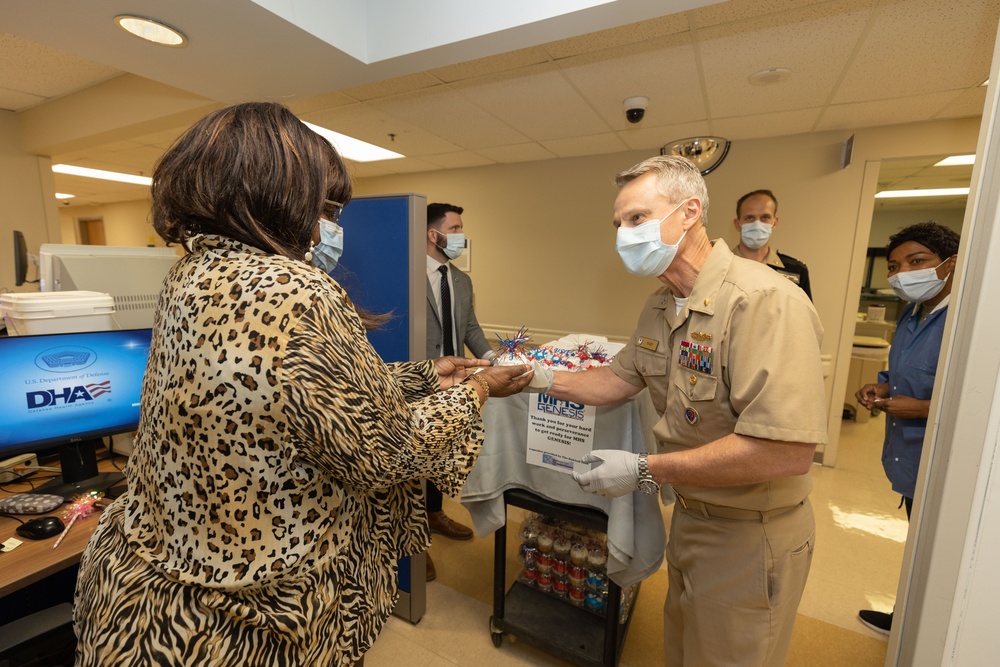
63, 195
929, 192
151, 30
955, 160
100, 173
354, 149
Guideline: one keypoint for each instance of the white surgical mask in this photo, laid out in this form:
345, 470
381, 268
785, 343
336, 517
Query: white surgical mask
755, 234
641, 249
454, 244
331, 246
918, 286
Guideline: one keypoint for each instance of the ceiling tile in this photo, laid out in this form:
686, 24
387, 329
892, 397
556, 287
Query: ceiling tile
30, 67
741, 10
815, 42
632, 33
881, 112
528, 101
394, 86
502, 62
594, 144
458, 160
517, 153
781, 123
14, 100
369, 123
967, 103
674, 91
304, 105
926, 60
446, 113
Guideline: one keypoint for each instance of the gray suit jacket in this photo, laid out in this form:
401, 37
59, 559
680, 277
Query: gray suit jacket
469, 331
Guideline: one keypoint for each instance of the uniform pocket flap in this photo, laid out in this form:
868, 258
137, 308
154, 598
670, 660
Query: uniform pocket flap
650, 364
696, 386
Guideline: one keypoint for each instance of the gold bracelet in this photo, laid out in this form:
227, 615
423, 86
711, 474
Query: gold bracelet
482, 383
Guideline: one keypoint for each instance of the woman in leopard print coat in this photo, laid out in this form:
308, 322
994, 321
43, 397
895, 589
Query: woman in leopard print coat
276, 474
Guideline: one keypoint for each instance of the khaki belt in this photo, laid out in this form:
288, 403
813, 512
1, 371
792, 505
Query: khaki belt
722, 512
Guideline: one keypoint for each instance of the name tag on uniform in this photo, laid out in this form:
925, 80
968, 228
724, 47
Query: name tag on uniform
648, 344
696, 356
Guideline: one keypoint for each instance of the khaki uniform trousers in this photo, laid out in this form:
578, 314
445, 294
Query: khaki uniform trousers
735, 586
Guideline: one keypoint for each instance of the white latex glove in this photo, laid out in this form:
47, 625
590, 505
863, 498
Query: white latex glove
615, 474
541, 381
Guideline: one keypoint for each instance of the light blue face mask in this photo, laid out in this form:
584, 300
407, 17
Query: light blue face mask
918, 286
756, 234
327, 253
454, 244
642, 250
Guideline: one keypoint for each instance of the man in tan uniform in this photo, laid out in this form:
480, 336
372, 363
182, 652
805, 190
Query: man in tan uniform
730, 353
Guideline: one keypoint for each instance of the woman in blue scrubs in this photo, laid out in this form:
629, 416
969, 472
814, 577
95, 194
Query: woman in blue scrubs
922, 261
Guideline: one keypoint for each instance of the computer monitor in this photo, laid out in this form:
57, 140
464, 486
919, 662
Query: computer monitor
69, 390
20, 259
132, 276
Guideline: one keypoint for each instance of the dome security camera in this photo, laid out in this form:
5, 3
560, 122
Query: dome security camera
635, 108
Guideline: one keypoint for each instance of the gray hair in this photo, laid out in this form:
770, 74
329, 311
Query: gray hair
676, 178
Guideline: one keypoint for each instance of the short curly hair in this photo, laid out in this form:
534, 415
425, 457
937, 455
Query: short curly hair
937, 238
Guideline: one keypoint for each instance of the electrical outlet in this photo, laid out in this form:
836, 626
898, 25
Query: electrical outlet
7, 473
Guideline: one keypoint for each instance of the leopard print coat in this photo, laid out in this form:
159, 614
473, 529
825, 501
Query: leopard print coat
275, 477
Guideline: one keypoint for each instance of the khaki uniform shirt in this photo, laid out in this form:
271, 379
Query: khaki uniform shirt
743, 357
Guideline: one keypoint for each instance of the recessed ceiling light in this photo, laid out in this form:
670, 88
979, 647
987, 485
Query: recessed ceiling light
769, 76
63, 195
100, 173
354, 149
929, 192
956, 160
150, 30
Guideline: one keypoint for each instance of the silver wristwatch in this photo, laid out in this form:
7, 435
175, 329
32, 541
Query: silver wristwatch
647, 484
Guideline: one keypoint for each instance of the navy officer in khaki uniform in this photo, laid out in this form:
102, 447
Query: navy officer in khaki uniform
730, 353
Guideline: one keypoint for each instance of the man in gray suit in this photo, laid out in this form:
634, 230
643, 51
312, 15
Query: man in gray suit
451, 327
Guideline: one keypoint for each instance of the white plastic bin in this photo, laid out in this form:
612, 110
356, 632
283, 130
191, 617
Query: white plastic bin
29, 314
869, 355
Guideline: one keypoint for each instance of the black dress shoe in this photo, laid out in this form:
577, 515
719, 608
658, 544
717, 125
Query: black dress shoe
441, 524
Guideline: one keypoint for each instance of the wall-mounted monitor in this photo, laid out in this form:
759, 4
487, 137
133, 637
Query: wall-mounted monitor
68, 391
133, 276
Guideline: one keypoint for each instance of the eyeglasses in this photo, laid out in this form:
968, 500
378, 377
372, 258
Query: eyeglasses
332, 210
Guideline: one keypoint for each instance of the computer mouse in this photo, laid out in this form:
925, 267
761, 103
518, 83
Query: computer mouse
41, 528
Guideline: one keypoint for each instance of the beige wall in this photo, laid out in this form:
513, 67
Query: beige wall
27, 201
125, 223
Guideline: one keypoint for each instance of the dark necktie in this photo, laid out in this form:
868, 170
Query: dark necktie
446, 326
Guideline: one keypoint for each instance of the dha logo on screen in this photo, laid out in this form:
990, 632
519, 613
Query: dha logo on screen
66, 359
48, 398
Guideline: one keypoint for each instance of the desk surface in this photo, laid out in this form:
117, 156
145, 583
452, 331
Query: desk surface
36, 559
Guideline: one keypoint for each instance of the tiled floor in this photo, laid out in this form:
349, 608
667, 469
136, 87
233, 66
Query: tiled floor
860, 538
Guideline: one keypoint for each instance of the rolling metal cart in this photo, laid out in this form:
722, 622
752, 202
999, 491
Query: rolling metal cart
576, 635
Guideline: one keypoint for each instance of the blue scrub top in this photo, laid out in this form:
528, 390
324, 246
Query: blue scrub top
913, 360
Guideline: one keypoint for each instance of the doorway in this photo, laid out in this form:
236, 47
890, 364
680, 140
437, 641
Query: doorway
90, 231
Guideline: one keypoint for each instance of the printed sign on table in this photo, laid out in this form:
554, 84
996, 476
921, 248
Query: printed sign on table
560, 433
